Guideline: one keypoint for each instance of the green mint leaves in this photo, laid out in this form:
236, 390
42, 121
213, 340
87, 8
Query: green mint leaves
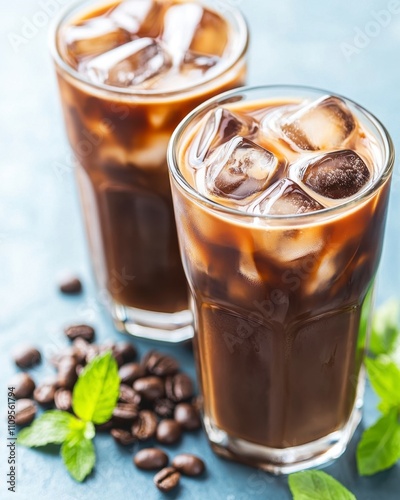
317, 485
385, 334
79, 456
52, 427
379, 448
384, 375
94, 398
96, 391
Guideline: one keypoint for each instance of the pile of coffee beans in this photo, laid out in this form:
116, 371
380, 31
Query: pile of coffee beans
156, 399
168, 477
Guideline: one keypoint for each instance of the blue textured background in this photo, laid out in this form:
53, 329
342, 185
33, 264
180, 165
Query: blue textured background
41, 231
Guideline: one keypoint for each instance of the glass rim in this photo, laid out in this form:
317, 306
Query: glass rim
242, 44
388, 156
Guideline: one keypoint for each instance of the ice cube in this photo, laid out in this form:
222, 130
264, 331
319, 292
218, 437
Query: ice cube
220, 126
93, 37
285, 197
239, 169
130, 14
336, 175
180, 25
197, 62
137, 62
322, 124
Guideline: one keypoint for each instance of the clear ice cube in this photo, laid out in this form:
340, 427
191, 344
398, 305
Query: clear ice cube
195, 61
284, 197
336, 175
92, 37
239, 169
220, 126
137, 62
320, 125
130, 14
180, 26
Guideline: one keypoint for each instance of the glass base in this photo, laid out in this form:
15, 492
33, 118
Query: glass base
150, 325
295, 458
283, 460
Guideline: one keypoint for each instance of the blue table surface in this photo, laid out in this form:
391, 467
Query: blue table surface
41, 230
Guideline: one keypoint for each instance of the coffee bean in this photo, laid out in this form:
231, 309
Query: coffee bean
84, 332
130, 372
92, 352
44, 393
168, 431
25, 411
23, 385
150, 387
188, 416
179, 387
129, 395
197, 402
63, 399
157, 363
80, 348
68, 352
167, 479
150, 459
164, 407
106, 427
188, 464
124, 414
79, 369
123, 437
26, 356
145, 425
124, 352
70, 285
67, 372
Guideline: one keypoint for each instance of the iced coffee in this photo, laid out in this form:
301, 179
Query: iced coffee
128, 72
280, 198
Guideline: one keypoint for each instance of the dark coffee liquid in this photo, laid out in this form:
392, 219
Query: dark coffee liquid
277, 304
120, 139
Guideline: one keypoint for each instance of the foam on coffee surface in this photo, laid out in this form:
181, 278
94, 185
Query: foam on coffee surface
147, 44
281, 158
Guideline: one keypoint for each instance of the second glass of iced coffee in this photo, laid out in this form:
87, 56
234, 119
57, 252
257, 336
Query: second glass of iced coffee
281, 196
128, 73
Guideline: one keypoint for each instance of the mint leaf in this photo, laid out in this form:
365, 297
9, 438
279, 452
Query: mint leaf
385, 332
379, 447
89, 431
96, 391
317, 485
51, 427
384, 376
78, 455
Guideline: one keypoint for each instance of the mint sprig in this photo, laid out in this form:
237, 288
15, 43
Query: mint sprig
379, 447
96, 391
93, 400
79, 456
317, 485
385, 332
384, 375
52, 427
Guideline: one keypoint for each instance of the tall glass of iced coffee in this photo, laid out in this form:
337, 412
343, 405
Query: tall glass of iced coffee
280, 198
128, 72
